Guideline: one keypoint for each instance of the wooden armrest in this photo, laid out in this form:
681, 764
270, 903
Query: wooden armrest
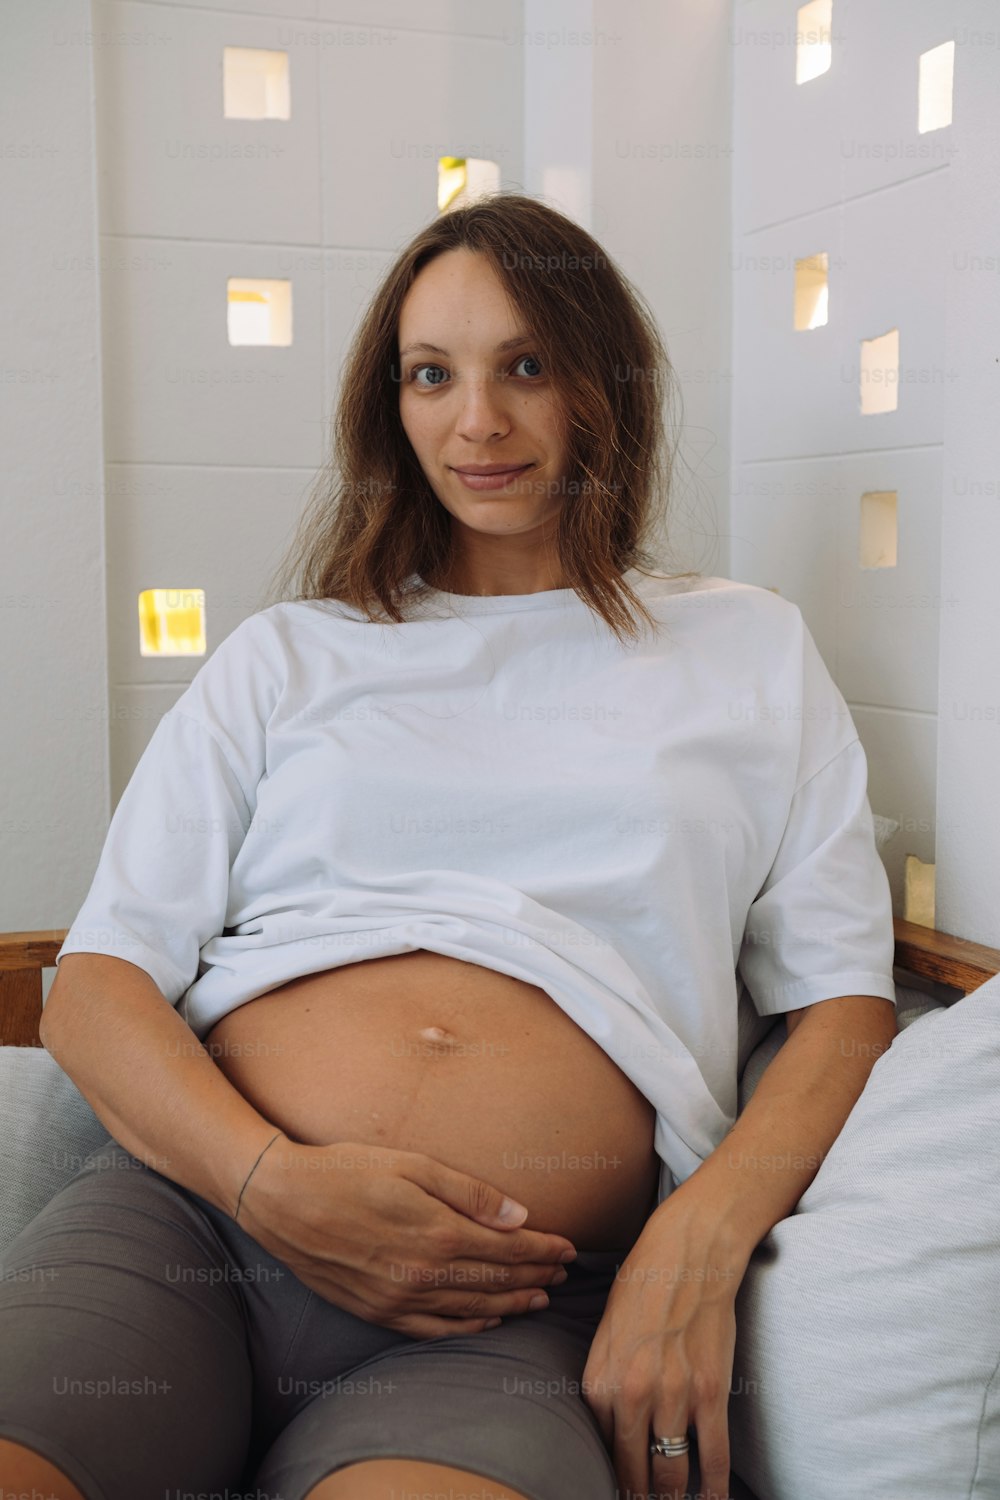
944, 958
920, 950
23, 956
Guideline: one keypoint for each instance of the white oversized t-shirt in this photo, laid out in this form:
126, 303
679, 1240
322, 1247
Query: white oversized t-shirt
639, 828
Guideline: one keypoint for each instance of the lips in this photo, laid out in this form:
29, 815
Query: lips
494, 479
491, 468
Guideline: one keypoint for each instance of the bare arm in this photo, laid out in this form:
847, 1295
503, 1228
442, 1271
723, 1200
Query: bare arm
148, 1079
757, 1175
667, 1340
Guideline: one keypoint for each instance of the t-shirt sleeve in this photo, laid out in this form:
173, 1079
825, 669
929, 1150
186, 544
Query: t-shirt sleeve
161, 888
821, 924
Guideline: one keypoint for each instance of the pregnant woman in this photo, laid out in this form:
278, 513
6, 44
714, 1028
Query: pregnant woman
407, 985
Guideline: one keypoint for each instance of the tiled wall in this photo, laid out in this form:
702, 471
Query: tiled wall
836, 164
211, 448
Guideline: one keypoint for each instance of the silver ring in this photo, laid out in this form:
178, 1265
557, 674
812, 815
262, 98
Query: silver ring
670, 1447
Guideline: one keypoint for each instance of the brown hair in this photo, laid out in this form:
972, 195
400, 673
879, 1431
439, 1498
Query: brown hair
374, 520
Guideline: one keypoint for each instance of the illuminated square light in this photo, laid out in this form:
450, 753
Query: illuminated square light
464, 178
813, 43
918, 892
812, 302
878, 532
880, 373
934, 89
255, 84
258, 312
172, 622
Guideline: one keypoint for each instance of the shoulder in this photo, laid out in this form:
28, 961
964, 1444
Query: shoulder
268, 653
743, 617
267, 637
242, 676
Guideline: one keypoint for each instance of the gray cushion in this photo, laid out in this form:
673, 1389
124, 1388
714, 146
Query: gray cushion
868, 1323
46, 1129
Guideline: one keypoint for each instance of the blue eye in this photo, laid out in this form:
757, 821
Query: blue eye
416, 371
430, 386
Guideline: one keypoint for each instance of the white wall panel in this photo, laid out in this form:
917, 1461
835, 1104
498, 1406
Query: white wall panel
292, 9
895, 267
498, 18
53, 667
842, 154
789, 399
350, 281
431, 95
880, 143
902, 761
849, 131
969, 721
787, 159
178, 391
888, 619
217, 529
800, 391
360, 17
662, 158
559, 106
796, 527
783, 535
171, 165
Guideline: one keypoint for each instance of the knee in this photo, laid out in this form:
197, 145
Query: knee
22, 1466
383, 1478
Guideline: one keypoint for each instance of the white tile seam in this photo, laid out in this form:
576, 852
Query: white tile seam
185, 239
828, 208
359, 24
797, 458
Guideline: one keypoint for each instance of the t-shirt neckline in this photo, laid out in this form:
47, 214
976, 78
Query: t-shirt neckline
482, 604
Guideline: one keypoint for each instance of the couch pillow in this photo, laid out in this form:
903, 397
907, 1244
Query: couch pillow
46, 1129
868, 1323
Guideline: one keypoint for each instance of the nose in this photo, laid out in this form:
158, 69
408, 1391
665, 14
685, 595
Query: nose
482, 412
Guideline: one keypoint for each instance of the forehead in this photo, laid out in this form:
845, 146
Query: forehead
458, 294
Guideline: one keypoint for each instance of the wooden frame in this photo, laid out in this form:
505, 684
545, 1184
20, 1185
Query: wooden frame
920, 951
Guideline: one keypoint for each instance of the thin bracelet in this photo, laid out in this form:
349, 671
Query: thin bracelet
251, 1172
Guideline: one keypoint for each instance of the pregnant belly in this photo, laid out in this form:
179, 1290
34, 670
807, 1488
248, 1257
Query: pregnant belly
486, 1073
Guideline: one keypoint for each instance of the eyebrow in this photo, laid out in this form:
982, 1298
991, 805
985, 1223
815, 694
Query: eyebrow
519, 338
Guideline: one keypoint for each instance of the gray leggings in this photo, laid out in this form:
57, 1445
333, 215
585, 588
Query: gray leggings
148, 1346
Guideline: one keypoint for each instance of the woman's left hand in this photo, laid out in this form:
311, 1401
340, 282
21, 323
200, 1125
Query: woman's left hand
662, 1358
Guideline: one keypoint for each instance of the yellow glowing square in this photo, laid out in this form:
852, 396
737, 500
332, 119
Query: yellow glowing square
880, 373
812, 303
255, 84
451, 179
878, 534
918, 892
813, 42
934, 89
461, 179
172, 622
258, 311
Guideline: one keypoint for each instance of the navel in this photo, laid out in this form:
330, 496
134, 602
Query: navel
436, 1034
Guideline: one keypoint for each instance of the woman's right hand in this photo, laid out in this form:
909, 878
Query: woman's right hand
396, 1237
